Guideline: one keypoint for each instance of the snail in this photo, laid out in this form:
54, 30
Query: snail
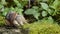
14, 19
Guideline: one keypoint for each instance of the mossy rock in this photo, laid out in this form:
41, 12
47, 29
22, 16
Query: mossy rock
43, 28
2, 21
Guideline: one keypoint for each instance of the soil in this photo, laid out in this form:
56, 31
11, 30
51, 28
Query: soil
4, 30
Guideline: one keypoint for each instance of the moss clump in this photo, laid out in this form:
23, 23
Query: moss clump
43, 28
2, 21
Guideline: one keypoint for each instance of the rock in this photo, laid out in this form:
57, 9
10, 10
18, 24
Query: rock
17, 30
5, 33
10, 31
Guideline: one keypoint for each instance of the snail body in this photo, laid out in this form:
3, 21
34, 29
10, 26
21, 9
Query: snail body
15, 19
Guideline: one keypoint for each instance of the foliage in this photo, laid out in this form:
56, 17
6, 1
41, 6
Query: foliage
41, 27
39, 9
9, 7
56, 5
33, 11
46, 12
45, 20
2, 21
43, 8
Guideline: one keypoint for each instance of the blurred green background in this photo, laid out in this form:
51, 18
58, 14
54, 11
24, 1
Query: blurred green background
43, 16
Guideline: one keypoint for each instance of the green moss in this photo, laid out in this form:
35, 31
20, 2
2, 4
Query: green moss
2, 21
43, 28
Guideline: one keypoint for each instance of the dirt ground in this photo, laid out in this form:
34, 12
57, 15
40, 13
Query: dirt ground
4, 30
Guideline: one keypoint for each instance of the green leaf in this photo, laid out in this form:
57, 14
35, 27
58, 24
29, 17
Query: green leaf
50, 11
5, 11
56, 5
36, 15
55, 13
23, 3
44, 6
18, 4
20, 11
44, 13
30, 11
16, 1
12, 8
1, 6
35, 7
50, 19
3, 2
